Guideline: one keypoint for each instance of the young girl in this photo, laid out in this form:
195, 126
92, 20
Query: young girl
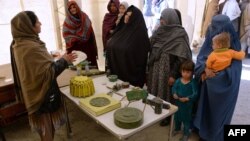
122, 9
184, 92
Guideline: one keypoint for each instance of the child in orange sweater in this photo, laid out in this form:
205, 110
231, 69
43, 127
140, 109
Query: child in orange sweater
222, 56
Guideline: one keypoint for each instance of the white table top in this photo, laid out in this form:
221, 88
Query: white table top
107, 120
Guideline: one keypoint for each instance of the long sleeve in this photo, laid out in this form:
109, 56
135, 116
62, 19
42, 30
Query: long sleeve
174, 88
59, 66
194, 95
238, 55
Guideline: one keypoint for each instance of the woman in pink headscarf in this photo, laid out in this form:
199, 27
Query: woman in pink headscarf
109, 21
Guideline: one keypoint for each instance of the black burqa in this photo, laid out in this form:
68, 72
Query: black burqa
127, 49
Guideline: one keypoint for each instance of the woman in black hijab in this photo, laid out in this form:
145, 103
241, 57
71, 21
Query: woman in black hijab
170, 48
127, 49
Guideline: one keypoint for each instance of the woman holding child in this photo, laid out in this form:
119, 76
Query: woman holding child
128, 47
219, 91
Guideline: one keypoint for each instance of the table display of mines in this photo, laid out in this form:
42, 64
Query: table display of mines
117, 106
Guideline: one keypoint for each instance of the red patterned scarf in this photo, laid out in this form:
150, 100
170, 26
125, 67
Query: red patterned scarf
76, 28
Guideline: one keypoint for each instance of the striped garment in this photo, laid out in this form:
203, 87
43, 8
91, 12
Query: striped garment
76, 28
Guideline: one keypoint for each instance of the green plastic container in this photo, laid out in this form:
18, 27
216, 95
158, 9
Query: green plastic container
112, 78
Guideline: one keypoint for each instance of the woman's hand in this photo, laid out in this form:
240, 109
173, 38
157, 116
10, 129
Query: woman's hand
171, 81
69, 57
127, 16
203, 76
184, 99
209, 73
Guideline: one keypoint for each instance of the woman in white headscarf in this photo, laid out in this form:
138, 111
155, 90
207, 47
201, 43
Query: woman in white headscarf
122, 9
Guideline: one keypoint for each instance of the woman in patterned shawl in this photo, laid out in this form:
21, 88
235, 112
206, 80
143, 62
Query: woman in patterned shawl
78, 32
170, 47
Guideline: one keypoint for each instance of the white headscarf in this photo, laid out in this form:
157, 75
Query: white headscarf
125, 4
231, 9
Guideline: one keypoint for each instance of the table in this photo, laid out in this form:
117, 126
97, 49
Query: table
107, 121
6, 77
11, 108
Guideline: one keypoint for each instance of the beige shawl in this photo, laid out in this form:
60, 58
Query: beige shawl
33, 62
212, 9
245, 22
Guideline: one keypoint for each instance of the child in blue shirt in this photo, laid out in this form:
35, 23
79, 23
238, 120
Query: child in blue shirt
184, 92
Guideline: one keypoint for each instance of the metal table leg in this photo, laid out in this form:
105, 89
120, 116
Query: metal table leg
171, 127
69, 131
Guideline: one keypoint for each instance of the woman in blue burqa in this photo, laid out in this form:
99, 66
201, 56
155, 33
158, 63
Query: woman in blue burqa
128, 47
218, 93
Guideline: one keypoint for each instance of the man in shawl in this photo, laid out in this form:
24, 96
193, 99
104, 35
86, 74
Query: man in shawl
219, 93
245, 26
212, 10
243, 4
34, 70
109, 21
170, 47
78, 32
128, 47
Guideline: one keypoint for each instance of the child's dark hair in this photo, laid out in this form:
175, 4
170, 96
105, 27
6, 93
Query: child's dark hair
32, 16
187, 65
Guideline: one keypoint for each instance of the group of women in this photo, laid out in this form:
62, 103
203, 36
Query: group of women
131, 55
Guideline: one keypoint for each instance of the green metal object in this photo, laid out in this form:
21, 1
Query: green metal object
128, 117
99, 102
136, 94
112, 78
